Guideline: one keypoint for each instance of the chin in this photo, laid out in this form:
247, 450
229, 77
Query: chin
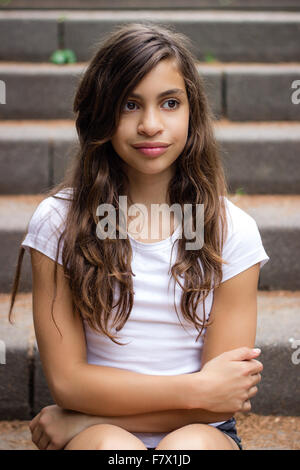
155, 167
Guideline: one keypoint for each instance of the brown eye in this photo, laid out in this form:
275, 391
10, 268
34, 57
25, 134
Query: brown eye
173, 104
130, 103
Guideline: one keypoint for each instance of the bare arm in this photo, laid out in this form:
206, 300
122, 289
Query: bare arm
234, 311
234, 315
75, 384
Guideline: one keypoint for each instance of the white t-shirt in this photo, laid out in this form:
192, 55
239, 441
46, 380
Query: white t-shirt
156, 342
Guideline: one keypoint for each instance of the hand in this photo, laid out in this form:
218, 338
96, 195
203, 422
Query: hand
228, 381
53, 427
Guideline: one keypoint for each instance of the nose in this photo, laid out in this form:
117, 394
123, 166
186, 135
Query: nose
150, 122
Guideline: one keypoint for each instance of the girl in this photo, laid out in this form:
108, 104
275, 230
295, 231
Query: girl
126, 369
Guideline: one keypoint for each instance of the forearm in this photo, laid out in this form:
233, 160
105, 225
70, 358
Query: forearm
108, 391
165, 421
158, 421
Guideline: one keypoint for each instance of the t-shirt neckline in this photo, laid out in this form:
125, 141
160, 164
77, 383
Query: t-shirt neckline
155, 246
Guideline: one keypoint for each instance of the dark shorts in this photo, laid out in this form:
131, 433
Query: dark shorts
229, 428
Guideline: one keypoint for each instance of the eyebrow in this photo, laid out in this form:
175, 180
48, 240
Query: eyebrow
164, 93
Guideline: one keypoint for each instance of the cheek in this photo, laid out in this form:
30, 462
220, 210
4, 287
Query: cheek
125, 131
117, 140
180, 130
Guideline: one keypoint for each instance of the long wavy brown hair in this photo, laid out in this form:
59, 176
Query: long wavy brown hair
95, 267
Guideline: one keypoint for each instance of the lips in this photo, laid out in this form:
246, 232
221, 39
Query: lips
152, 149
151, 145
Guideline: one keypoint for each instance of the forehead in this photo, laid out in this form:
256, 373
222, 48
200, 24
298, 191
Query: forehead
165, 75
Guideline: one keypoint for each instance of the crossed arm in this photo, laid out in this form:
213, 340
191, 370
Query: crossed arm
147, 403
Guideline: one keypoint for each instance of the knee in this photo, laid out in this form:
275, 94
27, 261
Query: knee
90, 438
108, 436
111, 437
191, 437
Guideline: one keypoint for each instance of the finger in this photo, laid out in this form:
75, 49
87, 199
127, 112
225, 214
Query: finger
256, 366
36, 435
50, 446
252, 392
242, 354
43, 442
246, 406
256, 379
34, 422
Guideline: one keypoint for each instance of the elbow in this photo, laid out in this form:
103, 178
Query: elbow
60, 394
59, 398
67, 389
61, 403
65, 396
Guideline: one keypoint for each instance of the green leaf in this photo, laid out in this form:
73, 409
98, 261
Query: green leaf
63, 56
58, 57
70, 56
240, 191
209, 57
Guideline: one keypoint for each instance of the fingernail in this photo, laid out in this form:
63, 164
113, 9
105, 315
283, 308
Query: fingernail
257, 350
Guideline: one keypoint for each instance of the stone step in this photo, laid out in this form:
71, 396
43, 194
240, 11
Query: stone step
290, 5
257, 432
261, 158
238, 92
261, 36
277, 217
23, 389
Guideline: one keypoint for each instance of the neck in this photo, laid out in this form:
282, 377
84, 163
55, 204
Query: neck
148, 189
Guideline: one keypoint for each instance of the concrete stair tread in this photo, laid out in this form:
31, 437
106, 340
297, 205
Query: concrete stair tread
62, 129
281, 67
222, 122
146, 4
44, 128
191, 15
267, 210
257, 432
142, 4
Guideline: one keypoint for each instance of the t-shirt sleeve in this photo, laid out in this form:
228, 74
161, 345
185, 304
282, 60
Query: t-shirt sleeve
45, 228
243, 247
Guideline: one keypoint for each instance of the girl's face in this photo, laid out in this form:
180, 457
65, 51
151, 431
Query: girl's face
156, 113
